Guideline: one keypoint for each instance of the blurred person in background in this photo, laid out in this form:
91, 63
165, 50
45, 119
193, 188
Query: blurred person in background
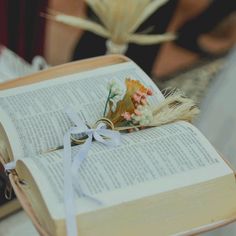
206, 30
24, 31
190, 19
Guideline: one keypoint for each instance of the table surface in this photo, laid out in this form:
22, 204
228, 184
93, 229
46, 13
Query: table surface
17, 224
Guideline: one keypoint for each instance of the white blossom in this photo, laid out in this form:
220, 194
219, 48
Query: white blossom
145, 117
114, 88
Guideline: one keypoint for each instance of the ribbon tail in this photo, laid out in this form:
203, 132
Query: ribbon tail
78, 159
69, 197
74, 117
81, 155
113, 137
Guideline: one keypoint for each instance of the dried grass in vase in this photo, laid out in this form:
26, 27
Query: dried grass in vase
119, 21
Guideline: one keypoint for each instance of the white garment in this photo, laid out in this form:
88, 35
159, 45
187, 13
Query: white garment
218, 121
12, 66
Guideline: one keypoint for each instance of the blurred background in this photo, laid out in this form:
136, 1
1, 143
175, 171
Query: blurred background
203, 26
201, 62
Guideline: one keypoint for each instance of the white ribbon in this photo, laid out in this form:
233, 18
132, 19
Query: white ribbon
71, 167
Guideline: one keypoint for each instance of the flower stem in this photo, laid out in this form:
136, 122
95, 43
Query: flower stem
108, 98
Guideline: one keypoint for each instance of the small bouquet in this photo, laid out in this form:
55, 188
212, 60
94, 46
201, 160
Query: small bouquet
134, 112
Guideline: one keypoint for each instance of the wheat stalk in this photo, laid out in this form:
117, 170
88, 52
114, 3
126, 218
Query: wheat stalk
119, 20
175, 107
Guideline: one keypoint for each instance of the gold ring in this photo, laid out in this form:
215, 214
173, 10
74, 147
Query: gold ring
106, 121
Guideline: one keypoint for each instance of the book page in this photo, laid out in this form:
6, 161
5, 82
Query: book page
34, 116
148, 162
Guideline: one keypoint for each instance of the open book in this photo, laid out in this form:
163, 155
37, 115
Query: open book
161, 181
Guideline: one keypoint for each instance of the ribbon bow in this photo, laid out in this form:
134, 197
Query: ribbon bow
100, 134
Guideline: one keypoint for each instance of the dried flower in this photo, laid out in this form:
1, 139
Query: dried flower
135, 97
133, 112
126, 116
115, 92
137, 112
114, 88
142, 115
149, 92
143, 101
